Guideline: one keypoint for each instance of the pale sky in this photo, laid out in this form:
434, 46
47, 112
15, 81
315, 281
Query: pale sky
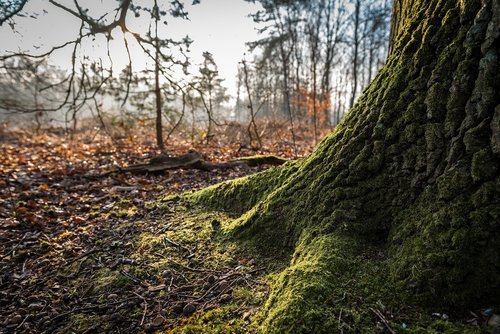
219, 26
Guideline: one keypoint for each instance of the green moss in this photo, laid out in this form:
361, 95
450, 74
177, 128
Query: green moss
224, 320
484, 167
240, 195
443, 327
45, 244
245, 297
303, 296
122, 213
434, 136
171, 198
411, 133
106, 279
441, 252
80, 322
94, 214
415, 112
453, 183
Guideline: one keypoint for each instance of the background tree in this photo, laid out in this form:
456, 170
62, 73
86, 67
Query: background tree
252, 125
308, 41
99, 27
211, 93
280, 45
28, 87
10, 8
400, 204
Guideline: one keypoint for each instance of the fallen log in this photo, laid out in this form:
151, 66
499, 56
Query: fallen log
253, 161
163, 162
193, 159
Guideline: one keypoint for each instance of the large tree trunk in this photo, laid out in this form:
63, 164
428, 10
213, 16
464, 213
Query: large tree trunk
401, 204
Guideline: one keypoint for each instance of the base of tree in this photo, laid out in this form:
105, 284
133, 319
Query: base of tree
398, 208
341, 281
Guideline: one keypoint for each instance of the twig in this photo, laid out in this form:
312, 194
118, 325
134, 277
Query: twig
145, 307
229, 286
255, 271
336, 301
11, 196
14, 248
180, 274
89, 308
121, 181
92, 328
384, 320
176, 244
133, 278
79, 257
171, 282
194, 269
24, 320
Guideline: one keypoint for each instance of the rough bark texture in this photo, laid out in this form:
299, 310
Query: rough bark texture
401, 203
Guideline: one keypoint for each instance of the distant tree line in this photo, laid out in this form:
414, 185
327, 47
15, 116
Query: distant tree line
315, 58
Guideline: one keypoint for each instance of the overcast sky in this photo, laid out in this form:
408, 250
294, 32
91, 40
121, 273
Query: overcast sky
219, 26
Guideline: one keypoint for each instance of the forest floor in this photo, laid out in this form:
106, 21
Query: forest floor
89, 254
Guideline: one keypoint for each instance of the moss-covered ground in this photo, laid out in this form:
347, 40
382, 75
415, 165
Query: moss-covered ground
333, 282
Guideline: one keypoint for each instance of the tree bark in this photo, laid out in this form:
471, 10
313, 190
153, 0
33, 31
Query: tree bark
401, 203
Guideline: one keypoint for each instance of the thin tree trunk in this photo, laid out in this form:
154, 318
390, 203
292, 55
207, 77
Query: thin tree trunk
250, 106
158, 100
357, 10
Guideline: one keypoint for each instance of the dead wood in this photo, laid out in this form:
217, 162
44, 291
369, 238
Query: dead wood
163, 162
193, 159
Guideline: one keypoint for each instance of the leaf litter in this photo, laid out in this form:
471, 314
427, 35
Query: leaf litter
98, 255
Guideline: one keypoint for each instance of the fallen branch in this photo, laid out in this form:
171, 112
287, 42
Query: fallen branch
257, 160
162, 162
193, 159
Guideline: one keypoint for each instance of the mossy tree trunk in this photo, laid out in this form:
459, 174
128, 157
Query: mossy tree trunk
402, 201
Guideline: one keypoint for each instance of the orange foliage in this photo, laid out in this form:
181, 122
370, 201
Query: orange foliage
304, 100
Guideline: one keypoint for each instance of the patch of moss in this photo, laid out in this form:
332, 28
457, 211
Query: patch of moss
240, 195
453, 182
224, 320
106, 279
442, 254
122, 213
484, 167
443, 327
79, 322
94, 214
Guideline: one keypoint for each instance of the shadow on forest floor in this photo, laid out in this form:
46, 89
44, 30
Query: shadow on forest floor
94, 255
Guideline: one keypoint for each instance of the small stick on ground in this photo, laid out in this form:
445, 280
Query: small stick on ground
384, 320
145, 307
176, 244
79, 257
193, 269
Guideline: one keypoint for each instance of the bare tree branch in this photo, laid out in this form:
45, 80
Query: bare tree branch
10, 8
